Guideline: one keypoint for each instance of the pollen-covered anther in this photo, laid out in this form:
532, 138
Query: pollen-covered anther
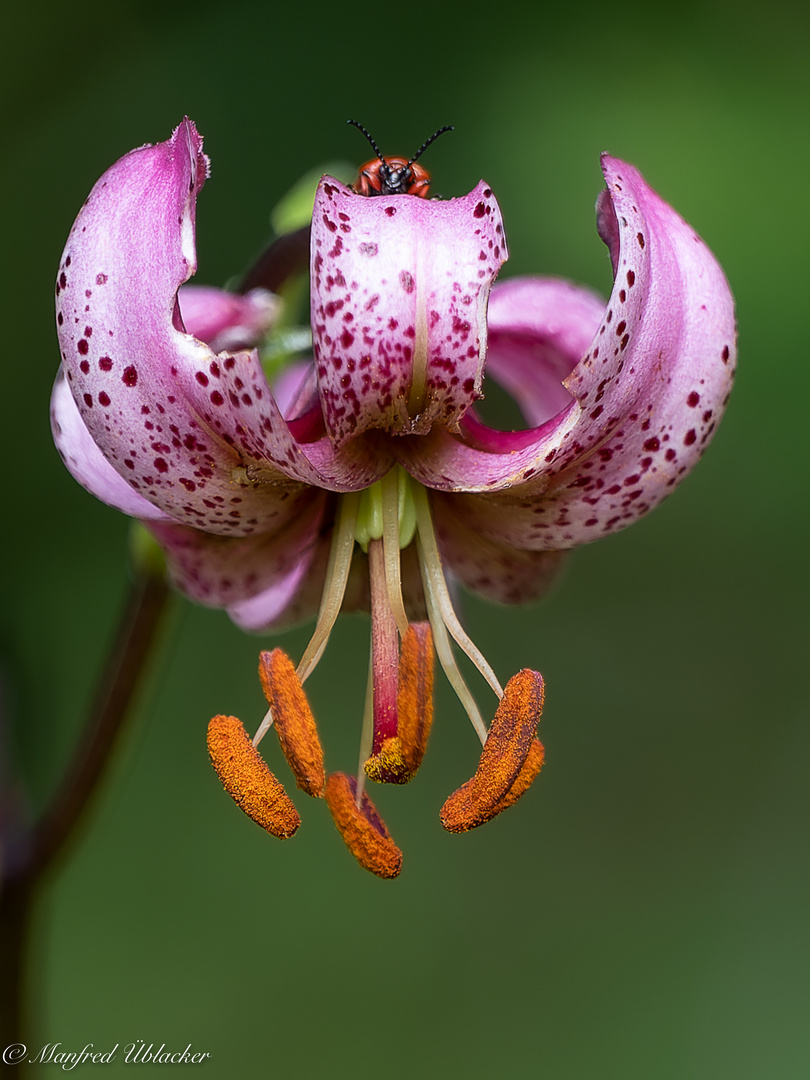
524, 779
510, 761
401, 755
361, 827
520, 785
293, 721
415, 697
247, 779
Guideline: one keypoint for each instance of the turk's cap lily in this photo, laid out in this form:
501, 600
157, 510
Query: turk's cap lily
366, 478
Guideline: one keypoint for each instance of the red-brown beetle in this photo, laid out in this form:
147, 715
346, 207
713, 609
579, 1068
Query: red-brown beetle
394, 175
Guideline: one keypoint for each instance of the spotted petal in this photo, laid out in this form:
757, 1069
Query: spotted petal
196, 433
399, 298
645, 397
86, 462
221, 571
497, 571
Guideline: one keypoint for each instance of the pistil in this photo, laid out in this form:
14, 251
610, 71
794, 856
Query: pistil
386, 763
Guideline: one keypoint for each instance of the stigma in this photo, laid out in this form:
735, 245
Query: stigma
382, 526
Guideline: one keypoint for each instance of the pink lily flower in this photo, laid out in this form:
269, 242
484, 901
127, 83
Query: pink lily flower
367, 478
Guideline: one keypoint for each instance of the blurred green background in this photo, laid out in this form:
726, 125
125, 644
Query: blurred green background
643, 912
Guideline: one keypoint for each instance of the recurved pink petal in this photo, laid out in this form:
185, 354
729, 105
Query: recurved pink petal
539, 328
647, 393
197, 434
292, 598
220, 571
86, 462
399, 297
497, 571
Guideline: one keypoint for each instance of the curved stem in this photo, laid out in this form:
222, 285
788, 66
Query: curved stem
36, 852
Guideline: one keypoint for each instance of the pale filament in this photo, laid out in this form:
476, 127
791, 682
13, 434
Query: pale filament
434, 581
444, 650
390, 539
337, 575
264, 727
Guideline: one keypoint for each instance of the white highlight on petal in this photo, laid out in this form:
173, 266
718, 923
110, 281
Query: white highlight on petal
187, 239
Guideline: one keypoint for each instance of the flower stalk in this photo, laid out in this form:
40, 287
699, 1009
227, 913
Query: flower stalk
29, 852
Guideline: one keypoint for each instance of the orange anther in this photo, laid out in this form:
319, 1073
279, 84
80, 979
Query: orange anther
460, 813
293, 721
415, 695
247, 779
511, 757
361, 827
525, 778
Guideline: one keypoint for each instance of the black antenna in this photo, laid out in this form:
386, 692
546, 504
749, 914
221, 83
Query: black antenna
419, 152
373, 144
433, 138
